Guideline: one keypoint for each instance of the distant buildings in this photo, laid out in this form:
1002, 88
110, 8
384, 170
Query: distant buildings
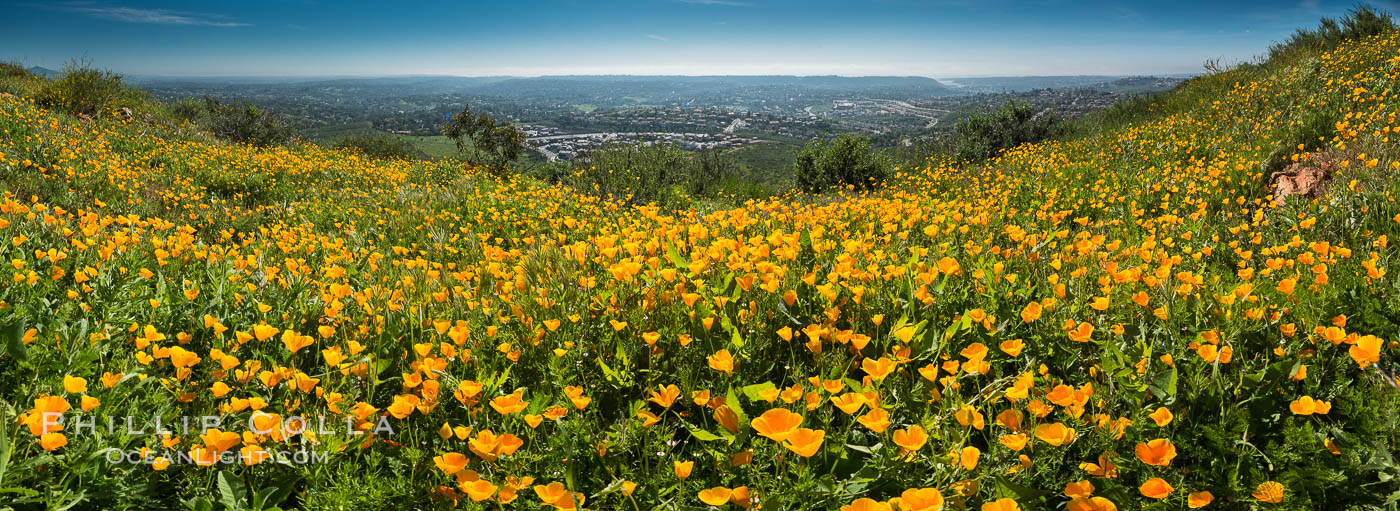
567, 147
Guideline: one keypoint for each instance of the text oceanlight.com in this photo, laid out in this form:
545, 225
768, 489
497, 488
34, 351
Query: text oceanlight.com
244, 457
258, 423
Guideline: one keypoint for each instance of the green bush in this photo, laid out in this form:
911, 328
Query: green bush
239, 122
846, 160
711, 172
637, 174
85, 90
658, 173
10, 69
986, 134
380, 146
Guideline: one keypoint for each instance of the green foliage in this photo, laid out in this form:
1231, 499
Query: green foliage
637, 174
986, 134
847, 160
709, 172
660, 173
239, 122
10, 69
85, 90
486, 141
380, 146
1360, 22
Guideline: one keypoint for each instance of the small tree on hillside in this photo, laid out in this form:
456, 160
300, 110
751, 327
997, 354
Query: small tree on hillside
846, 160
486, 141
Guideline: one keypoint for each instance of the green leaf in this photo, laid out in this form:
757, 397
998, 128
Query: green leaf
782, 307
1164, 386
734, 404
260, 498
612, 487
609, 372
673, 254
4, 444
13, 337
868, 449
702, 435
82, 496
231, 490
752, 391
199, 504
1023, 494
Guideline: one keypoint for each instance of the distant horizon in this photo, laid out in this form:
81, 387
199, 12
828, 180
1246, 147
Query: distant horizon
427, 75
934, 39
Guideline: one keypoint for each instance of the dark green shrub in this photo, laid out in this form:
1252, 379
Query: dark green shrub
986, 134
379, 146
187, 109
846, 160
243, 123
85, 90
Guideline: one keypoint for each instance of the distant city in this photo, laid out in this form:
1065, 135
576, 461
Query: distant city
565, 117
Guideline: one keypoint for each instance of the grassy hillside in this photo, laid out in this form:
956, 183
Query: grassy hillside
1123, 319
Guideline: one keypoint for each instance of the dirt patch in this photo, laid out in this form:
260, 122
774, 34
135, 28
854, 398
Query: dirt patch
1307, 178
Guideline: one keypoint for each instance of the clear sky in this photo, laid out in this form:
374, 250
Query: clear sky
937, 38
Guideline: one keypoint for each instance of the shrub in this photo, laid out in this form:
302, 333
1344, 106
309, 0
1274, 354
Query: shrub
986, 134
241, 122
657, 173
637, 174
85, 90
187, 109
710, 172
10, 69
380, 146
847, 160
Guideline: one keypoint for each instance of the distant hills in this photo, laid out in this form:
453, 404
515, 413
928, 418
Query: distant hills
1026, 83
591, 87
791, 95
43, 71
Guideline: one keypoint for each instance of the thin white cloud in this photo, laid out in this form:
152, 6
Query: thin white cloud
151, 16
1126, 13
657, 37
729, 3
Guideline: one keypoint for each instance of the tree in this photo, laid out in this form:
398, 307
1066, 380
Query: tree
846, 160
487, 142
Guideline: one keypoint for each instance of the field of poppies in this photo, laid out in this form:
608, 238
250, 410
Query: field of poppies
1122, 319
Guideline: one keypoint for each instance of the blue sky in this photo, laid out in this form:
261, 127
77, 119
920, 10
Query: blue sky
937, 38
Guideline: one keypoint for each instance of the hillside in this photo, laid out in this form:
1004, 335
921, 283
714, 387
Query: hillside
1121, 319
